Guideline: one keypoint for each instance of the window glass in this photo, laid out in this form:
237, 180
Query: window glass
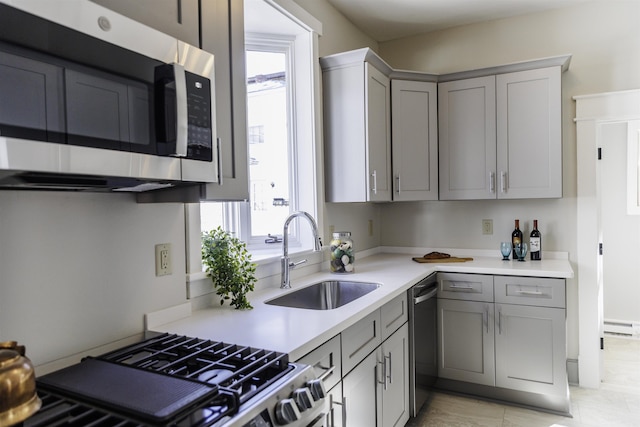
269, 140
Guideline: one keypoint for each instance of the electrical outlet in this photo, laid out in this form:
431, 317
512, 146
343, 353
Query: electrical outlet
163, 259
487, 226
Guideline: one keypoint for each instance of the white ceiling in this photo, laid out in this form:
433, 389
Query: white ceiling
385, 20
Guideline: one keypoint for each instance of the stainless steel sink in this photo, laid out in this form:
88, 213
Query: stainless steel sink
325, 295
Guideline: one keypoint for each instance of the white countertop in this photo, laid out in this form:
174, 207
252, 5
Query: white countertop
298, 331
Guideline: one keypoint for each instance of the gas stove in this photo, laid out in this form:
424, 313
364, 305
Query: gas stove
175, 380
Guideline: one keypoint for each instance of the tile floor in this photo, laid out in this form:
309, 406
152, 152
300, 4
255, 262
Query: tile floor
615, 404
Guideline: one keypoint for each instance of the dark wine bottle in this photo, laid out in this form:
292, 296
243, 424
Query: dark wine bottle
516, 237
535, 242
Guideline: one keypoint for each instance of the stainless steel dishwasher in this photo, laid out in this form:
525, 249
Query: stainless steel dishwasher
423, 341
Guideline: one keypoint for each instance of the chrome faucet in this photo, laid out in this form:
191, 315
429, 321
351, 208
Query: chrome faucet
287, 265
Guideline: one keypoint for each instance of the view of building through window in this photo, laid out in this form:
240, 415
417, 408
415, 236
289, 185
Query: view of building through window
267, 117
269, 136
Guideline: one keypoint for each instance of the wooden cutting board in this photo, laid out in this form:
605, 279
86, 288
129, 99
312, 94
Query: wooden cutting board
441, 260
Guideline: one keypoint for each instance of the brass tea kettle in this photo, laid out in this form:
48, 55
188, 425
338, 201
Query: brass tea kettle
17, 385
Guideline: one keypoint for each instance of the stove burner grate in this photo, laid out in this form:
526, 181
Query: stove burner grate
242, 370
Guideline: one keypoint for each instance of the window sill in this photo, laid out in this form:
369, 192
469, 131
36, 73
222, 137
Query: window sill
267, 261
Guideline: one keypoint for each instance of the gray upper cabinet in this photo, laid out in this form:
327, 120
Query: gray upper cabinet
500, 135
467, 138
529, 134
381, 138
357, 117
414, 140
223, 35
178, 18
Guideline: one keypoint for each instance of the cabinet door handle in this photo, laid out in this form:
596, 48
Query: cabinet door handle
485, 318
390, 372
398, 184
374, 175
384, 373
219, 149
492, 182
331, 421
503, 181
500, 320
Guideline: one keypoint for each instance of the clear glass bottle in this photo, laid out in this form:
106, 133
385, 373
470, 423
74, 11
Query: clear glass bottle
342, 253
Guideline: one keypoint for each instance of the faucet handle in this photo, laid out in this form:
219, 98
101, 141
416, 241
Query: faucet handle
295, 264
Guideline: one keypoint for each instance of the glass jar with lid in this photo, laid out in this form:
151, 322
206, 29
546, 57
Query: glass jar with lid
342, 253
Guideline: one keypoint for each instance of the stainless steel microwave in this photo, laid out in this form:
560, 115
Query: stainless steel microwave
90, 99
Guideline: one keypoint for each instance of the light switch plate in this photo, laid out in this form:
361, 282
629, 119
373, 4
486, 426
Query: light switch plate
163, 259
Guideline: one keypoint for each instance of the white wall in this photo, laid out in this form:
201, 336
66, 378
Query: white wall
604, 39
620, 232
78, 270
338, 33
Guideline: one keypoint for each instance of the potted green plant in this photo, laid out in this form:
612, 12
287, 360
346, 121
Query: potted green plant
229, 265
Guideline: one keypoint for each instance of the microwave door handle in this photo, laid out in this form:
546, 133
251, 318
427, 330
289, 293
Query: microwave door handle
182, 118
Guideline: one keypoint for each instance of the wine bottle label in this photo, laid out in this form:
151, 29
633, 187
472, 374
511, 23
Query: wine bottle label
534, 244
516, 240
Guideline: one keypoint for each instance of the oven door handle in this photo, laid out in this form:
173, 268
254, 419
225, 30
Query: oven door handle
432, 293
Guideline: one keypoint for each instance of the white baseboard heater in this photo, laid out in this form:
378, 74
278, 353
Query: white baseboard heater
622, 328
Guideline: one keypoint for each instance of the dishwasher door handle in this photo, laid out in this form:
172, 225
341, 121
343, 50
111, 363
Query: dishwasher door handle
432, 293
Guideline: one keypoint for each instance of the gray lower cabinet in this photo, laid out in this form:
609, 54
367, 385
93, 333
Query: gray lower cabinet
507, 338
376, 391
530, 344
466, 341
366, 369
395, 384
361, 395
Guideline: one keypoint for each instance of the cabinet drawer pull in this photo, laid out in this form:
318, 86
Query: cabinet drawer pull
492, 182
461, 287
532, 293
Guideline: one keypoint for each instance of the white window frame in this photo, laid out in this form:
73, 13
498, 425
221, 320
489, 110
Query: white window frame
285, 45
308, 130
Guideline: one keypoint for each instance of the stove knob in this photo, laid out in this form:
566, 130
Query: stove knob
287, 411
303, 398
317, 389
